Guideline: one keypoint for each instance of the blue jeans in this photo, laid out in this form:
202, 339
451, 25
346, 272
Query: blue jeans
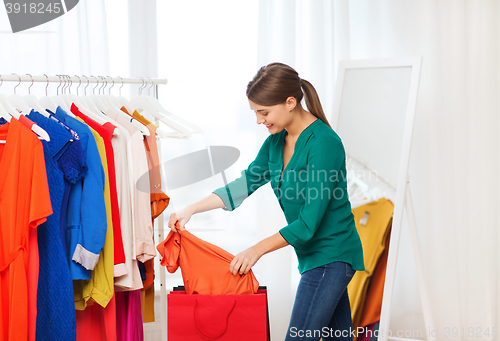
321, 308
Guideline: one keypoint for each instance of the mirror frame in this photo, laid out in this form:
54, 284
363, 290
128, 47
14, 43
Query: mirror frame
403, 177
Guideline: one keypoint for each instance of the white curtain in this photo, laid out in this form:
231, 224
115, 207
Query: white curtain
75, 43
455, 153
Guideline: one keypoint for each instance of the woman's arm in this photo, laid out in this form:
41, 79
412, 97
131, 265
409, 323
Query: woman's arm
256, 175
210, 202
243, 261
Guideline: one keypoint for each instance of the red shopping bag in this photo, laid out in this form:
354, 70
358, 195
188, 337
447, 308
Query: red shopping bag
218, 317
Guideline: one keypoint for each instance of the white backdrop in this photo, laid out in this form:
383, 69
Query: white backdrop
455, 154
75, 43
455, 157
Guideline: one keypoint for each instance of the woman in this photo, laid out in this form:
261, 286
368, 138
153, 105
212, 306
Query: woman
304, 160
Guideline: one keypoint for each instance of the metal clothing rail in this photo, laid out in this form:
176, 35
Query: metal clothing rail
145, 82
82, 78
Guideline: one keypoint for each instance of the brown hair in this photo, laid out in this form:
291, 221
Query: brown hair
275, 82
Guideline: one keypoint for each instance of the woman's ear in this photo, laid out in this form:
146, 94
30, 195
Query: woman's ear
291, 103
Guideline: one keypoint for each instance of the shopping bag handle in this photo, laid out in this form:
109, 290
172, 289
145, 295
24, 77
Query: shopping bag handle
196, 319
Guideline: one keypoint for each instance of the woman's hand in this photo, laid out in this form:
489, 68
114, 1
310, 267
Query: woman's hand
181, 216
243, 261
208, 203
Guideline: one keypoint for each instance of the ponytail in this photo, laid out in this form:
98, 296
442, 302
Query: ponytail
275, 82
312, 101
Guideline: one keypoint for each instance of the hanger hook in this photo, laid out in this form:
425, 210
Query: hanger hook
60, 82
97, 80
105, 80
70, 83
47, 86
142, 86
1, 79
109, 91
85, 88
88, 83
120, 90
78, 84
104, 85
65, 85
17, 83
100, 86
149, 93
32, 81
68, 87
63, 89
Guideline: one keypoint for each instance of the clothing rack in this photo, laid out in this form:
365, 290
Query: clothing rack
116, 81
78, 79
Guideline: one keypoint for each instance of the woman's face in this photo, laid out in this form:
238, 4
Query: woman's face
276, 117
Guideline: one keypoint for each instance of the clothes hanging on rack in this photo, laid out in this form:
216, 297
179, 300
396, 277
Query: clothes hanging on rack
33, 265
129, 312
97, 323
86, 224
55, 307
25, 202
373, 301
93, 196
106, 132
159, 201
125, 189
100, 286
144, 246
372, 223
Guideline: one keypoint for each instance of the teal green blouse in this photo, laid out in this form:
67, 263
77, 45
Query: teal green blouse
312, 193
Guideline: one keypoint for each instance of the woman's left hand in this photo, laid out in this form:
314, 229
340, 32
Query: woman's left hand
243, 261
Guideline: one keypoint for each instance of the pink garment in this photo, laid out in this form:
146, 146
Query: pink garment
367, 333
129, 316
97, 323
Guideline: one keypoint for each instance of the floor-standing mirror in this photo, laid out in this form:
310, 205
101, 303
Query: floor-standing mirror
373, 114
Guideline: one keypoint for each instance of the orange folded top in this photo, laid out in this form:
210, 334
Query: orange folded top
204, 266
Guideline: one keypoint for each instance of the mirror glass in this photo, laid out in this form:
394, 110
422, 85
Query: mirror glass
371, 122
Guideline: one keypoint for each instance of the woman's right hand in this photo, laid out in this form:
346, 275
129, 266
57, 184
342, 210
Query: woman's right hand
182, 216
208, 203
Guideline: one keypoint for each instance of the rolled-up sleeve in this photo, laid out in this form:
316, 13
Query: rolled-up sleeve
256, 175
93, 227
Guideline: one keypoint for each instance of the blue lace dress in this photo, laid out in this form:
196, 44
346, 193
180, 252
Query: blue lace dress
64, 162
